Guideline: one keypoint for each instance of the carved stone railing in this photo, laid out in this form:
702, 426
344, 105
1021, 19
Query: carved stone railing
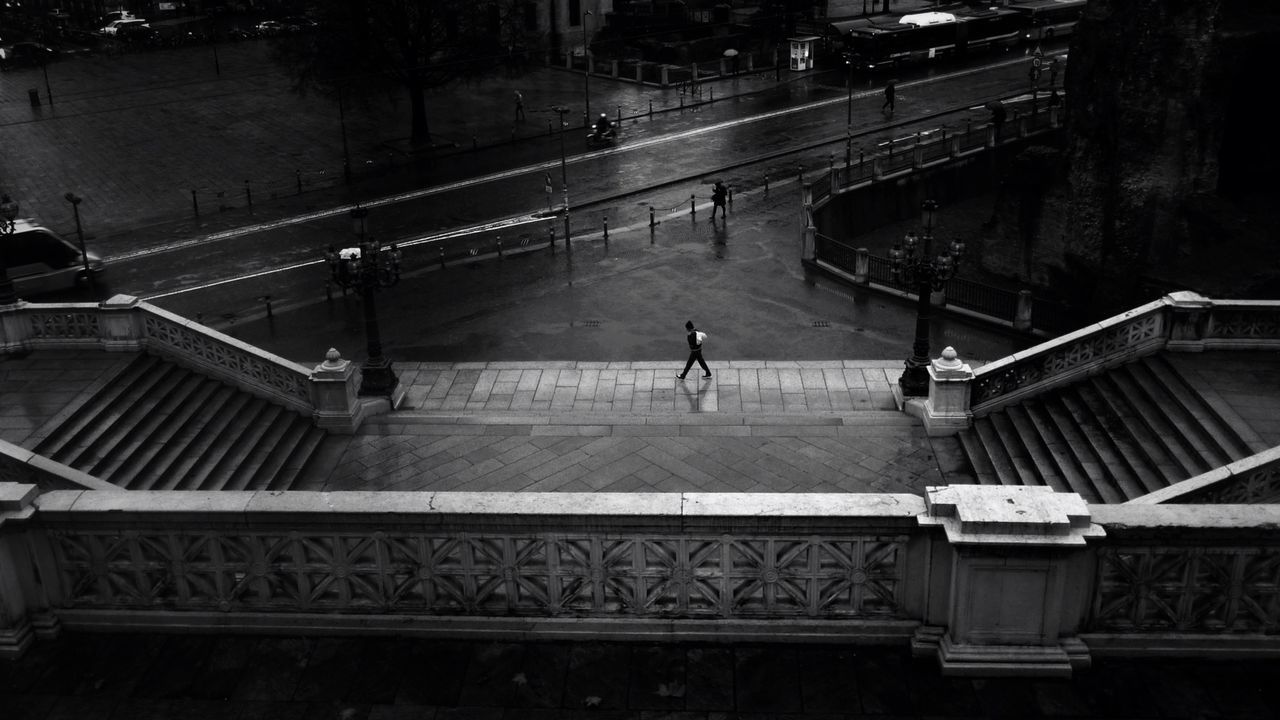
1181, 321
722, 557
1186, 579
126, 324
987, 579
1255, 479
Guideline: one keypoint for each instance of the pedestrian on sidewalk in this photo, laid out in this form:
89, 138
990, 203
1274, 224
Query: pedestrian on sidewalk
519, 106
695, 337
890, 91
718, 194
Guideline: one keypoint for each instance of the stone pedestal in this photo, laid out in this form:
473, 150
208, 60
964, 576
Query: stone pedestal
946, 412
16, 630
13, 329
333, 394
1189, 313
1016, 560
120, 319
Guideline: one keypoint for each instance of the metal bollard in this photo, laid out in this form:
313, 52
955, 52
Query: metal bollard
730, 196
766, 184
298, 175
606, 229
441, 258
266, 300
693, 208
619, 114
499, 247
713, 94
551, 238
328, 293
548, 127
195, 206
652, 222
650, 108
248, 194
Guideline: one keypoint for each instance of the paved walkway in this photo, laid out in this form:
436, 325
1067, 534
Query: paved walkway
634, 427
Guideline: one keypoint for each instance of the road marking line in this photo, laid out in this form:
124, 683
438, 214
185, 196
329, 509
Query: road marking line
515, 172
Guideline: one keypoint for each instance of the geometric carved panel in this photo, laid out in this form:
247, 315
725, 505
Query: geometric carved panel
484, 574
1162, 589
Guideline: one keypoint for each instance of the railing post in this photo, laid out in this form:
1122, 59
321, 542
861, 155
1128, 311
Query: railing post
862, 266
19, 587
1015, 556
1189, 321
831, 171
1022, 314
946, 411
121, 324
333, 394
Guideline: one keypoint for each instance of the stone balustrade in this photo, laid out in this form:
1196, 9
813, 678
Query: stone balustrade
126, 324
989, 580
1180, 322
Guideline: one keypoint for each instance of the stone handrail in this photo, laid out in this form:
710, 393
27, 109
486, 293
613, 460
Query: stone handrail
1255, 479
19, 465
1181, 322
1113, 341
126, 324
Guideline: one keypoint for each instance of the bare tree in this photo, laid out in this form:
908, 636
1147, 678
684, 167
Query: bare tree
364, 47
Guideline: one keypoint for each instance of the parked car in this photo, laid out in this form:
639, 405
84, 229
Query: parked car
39, 260
269, 27
26, 53
297, 23
115, 26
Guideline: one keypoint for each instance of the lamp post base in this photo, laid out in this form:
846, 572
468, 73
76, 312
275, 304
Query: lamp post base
377, 379
915, 379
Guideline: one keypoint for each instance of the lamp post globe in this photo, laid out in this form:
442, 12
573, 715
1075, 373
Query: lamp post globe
368, 269
913, 264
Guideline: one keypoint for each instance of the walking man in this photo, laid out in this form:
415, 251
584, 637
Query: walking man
519, 106
695, 338
889, 91
718, 194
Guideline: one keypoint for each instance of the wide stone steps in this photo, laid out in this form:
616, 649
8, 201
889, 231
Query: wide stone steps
1112, 437
159, 426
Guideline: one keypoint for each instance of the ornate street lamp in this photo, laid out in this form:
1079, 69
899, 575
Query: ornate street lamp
928, 274
8, 213
84, 254
368, 269
586, 72
564, 173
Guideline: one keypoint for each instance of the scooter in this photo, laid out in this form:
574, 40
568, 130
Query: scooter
598, 139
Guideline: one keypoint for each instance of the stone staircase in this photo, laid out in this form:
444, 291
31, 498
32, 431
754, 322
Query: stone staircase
159, 426
1111, 437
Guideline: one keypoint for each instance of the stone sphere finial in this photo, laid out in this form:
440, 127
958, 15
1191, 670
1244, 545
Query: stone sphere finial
949, 359
332, 358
